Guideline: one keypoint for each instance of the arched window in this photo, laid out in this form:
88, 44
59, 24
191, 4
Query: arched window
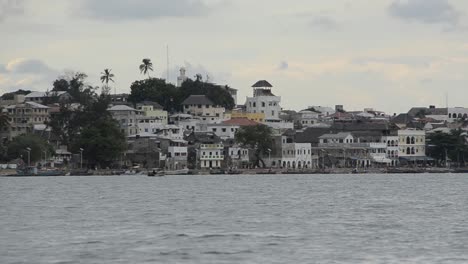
413, 140
459, 115
413, 151
450, 115
408, 151
408, 140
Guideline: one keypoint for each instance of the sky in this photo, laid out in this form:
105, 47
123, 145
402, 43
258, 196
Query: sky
388, 55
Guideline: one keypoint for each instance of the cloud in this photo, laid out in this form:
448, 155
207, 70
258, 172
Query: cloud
28, 66
284, 65
10, 7
425, 11
31, 74
324, 23
143, 9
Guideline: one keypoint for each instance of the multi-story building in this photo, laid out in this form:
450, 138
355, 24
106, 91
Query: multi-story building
24, 117
127, 118
154, 110
264, 102
412, 144
211, 155
203, 107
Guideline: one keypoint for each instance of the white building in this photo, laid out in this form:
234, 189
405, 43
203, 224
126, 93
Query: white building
393, 148
211, 156
296, 156
150, 124
201, 106
457, 113
412, 143
238, 157
177, 155
181, 78
308, 118
264, 101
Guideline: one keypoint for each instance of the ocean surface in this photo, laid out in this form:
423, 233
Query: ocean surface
235, 219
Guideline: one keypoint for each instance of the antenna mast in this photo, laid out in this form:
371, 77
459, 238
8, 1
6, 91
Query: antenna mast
167, 66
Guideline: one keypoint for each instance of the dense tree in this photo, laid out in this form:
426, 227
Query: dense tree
102, 142
146, 67
258, 138
76, 87
453, 145
17, 147
171, 97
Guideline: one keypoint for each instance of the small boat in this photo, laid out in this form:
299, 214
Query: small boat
33, 171
156, 173
177, 172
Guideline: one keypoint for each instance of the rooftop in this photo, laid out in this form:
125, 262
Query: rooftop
121, 108
262, 84
44, 94
240, 122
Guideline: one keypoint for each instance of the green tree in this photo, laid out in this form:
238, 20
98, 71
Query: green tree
452, 145
257, 137
156, 90
11, 96
106, 77
18, 147
146, 67
102, 142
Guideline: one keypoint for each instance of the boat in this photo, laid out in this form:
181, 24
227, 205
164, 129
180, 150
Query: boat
168, 172
33, 171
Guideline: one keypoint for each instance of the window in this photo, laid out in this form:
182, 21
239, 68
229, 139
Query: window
254, 104
214, 130
263, 104
199, 106
272, 113
224, 130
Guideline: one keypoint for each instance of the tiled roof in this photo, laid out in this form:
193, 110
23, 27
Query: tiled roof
197, 100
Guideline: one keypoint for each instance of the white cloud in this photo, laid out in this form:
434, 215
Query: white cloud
118, 10
425, 11
10, 8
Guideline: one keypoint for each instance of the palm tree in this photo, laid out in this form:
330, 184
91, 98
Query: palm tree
107, 76
146, 66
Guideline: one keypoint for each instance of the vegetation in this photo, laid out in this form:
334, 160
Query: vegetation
171, 97
258, 138
146, 67
84, 122
11, 96
106, 77
18, 147
102, 143
453, 146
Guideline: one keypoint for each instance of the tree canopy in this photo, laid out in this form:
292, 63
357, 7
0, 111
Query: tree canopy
171, 97
257, 137
453, 144
17, 147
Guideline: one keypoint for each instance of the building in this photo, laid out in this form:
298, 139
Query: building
412, 145
257, 117
153, 109
127, 117
41, 97
203, 107
264, 101
182, 77
24, 118
211, 155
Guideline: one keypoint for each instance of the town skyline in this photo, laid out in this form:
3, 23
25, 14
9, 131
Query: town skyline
322, 54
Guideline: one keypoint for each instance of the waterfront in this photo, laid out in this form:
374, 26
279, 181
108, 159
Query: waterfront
235, 219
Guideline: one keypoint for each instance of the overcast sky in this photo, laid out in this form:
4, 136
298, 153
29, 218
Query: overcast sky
385, 54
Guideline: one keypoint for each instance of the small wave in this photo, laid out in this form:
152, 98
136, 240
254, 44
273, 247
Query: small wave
228, 253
